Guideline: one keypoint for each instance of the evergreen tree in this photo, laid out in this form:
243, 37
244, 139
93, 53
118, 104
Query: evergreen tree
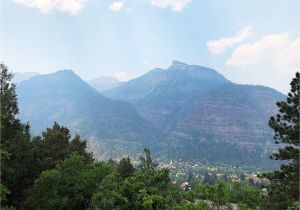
56, 145
146, 162
284, 188
125, 168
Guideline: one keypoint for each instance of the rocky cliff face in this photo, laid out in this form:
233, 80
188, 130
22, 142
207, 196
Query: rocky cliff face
231, 113
185, 111
202, 113
162, 96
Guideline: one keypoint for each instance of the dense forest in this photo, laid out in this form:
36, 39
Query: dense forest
55, 171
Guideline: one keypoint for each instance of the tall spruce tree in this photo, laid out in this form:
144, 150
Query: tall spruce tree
146, 162
284, 187
125, 169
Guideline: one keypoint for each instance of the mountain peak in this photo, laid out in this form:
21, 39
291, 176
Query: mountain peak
64, 72
177, 64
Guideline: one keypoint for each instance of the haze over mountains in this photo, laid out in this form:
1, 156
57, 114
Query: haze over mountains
185, 111
104, 83
161, 96
19, 77
65, 98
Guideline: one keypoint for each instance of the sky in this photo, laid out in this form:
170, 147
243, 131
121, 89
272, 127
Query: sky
249, 42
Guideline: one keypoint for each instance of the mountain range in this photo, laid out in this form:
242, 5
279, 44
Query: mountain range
65, 98
183, 112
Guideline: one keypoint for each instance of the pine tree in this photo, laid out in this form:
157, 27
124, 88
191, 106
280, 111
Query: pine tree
125, 168
284, 188
146, 162
56, 145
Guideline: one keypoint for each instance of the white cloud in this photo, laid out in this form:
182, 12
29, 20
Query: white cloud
276, 51
116, 6
264, 49
175, 5
72, 7
221, 45
121, 76
288, 60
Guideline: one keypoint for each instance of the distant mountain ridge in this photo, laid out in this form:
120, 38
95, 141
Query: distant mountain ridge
19, 76
161, 95
184, 111
104, 83
63, 97
178, 72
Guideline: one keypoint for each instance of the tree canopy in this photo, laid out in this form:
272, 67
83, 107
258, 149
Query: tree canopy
284, 188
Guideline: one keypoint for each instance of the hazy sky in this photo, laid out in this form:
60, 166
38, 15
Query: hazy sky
249, 42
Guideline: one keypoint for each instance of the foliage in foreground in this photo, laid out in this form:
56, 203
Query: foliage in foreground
283, 193
54, 171
76, 184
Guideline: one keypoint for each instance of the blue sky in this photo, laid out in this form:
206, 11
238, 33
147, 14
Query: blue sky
249, 42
